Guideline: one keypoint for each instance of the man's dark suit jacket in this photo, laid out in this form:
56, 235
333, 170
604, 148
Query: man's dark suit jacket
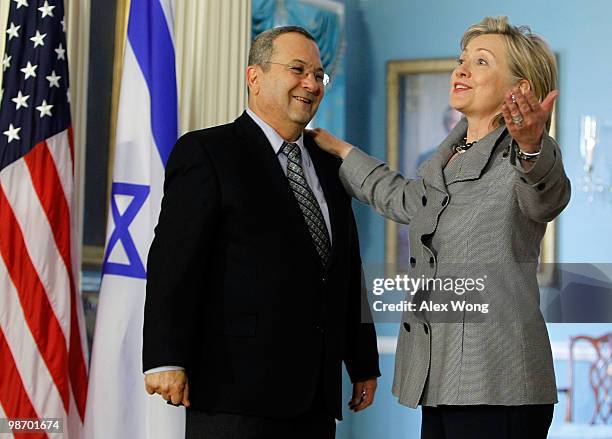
235, 289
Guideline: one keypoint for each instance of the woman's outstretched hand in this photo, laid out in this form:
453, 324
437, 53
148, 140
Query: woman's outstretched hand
330, 143
526, 117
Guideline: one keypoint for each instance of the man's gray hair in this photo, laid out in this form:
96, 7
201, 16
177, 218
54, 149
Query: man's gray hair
263, 46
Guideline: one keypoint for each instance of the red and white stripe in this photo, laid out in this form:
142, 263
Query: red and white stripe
42, 341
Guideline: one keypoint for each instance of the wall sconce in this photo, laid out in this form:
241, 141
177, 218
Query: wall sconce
592, 184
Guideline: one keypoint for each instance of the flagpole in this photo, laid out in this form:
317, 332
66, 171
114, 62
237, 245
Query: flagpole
4, 11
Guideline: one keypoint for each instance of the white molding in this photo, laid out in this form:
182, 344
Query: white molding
560, 349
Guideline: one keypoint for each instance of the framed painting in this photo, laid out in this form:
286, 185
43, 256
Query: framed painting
418, 119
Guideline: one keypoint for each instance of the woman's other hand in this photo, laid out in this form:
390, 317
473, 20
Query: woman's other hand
330, 143
526, 117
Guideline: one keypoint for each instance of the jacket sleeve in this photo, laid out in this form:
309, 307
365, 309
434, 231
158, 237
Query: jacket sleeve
179, 253
371, 181
544, 190
361, 353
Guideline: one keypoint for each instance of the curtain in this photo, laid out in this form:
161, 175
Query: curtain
212, 39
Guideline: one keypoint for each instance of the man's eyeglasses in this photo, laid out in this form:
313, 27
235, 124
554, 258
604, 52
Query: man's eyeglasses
300, 71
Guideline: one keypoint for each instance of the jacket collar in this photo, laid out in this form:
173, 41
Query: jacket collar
432, 171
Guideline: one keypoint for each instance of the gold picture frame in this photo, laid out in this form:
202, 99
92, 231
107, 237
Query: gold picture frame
396, 73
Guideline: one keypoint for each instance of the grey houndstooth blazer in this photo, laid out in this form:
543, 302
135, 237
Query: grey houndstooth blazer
479, 216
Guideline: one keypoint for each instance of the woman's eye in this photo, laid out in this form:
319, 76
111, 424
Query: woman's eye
459, 61
482, 61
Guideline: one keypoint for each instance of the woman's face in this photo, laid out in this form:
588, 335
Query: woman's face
482, 78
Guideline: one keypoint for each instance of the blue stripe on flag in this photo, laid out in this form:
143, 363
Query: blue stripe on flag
151, 41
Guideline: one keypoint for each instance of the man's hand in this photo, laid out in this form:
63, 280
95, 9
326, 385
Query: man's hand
363, 394
172, 385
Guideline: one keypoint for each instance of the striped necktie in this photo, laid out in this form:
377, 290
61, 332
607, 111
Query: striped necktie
306, 200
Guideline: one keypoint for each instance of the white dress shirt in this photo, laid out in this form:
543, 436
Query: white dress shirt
276, 141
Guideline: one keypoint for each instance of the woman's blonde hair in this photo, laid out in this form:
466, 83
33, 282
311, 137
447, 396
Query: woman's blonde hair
529, 57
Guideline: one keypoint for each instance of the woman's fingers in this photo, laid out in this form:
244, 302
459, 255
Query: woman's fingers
533, 102
313, 132
526, 117
330, 143
549, 101
511, 103
523, 104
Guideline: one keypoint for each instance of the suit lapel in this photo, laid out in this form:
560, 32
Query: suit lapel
477, 157
263, 160
432, 171
268, 168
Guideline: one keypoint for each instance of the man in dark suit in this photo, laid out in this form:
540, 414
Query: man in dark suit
254, 284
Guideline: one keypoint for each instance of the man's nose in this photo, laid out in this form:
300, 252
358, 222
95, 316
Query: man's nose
310, 83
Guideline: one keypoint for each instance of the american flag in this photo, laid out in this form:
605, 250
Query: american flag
43, 369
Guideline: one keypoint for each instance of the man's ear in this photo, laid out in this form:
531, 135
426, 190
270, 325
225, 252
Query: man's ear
253, 76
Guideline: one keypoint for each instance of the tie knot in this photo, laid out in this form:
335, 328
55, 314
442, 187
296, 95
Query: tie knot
290, 149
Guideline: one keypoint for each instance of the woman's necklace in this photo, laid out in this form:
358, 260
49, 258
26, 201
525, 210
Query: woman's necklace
463, 146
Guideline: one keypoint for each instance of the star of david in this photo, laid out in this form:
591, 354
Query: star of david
134, 268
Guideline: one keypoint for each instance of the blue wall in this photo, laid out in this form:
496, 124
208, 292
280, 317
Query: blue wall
378, 31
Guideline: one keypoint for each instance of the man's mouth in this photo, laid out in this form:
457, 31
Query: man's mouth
301, 99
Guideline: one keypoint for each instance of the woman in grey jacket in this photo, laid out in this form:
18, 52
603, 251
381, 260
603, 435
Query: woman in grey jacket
478, 211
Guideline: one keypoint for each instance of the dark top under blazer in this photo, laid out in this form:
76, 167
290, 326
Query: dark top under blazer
235, 290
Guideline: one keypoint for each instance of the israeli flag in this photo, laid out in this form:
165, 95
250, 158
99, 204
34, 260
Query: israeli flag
118, 405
